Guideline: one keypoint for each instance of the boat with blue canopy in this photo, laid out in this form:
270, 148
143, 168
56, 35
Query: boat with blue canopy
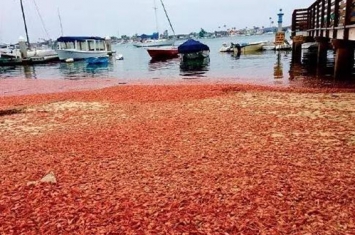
192, 49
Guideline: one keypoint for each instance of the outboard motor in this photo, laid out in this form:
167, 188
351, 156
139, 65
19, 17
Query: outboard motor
239, 49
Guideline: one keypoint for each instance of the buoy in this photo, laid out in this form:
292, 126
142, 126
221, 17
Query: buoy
69, 60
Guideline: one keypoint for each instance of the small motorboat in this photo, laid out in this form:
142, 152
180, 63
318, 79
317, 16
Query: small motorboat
155, 43
97, 60
251, 47
269, 46
226, 48
272, 46
229, 48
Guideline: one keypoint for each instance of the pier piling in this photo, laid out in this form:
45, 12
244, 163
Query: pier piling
323, 46
328, 21
344, 57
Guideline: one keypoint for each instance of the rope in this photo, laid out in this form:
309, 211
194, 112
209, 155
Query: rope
40, 16
171, 26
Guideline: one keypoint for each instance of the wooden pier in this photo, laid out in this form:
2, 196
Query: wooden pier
330, 23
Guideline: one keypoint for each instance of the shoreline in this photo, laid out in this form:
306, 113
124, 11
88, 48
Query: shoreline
22, 86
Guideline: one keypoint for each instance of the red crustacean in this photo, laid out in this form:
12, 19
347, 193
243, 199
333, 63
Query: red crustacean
179, 159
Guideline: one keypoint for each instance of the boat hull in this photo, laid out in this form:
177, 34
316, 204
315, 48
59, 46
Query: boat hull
155, 43
163, 53
79, 55
253, 47
195, 55
28, 61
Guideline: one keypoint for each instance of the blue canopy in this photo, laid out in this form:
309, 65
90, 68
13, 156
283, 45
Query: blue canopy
191, 46
81, 39
153, 36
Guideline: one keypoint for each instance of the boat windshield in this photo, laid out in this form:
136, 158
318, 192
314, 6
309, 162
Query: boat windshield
87, 45
100, 45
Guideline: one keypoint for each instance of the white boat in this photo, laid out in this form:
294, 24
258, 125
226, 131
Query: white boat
227, 48
284, 47
269, 46
250, 47
272, 46
79, 48
23, 50
13, 51
155, 43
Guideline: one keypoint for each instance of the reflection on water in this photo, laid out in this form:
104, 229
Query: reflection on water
194, 67
80, 70
278, 70
30, 71
249, 53
156, 65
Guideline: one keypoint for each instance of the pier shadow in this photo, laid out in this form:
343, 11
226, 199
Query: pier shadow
307, 73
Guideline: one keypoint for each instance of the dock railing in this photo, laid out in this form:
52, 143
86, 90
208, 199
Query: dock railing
325, 18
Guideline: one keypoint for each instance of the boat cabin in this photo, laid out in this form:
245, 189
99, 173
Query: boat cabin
82, 43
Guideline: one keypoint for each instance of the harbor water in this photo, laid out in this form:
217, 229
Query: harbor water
260, 68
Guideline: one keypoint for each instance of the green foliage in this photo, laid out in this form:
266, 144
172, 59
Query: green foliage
202, 33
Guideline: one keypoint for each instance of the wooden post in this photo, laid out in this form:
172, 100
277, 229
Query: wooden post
297, 48
344, 57
323, 44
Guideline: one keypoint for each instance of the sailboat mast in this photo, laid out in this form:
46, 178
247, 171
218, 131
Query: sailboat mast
156, 18
24, 21
60, 21
166, 13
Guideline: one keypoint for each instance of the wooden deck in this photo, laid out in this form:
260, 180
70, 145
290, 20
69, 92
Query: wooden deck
330, 23
334, 19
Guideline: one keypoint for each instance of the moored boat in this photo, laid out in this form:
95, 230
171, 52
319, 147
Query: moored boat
161, 53
227, 48
22, 53
79, 48
251, 47
192, 49
272, 46
155, 43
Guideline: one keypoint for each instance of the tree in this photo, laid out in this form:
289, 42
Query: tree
202, 33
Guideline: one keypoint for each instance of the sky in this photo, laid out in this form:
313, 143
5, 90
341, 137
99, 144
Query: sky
128, 17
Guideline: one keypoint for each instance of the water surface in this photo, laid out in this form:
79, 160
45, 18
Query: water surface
264, 68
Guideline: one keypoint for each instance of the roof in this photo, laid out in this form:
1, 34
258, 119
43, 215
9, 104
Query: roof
191, 46
81, 38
